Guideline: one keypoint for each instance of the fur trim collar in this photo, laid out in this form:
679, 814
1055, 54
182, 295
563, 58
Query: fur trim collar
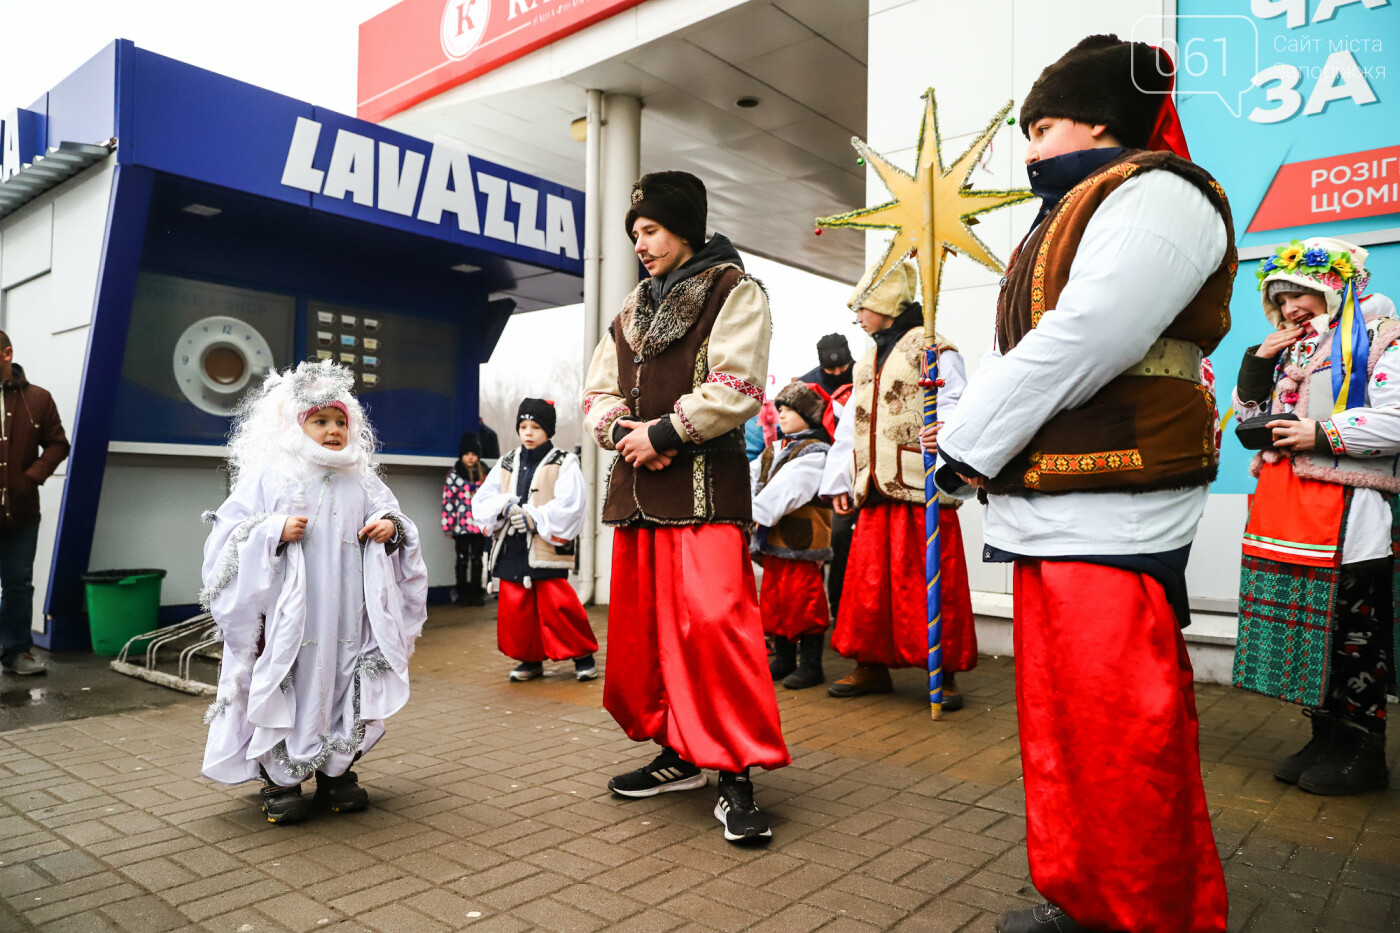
649, 329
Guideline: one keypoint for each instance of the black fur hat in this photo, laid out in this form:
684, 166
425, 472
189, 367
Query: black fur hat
676, 200
538, 410
469, 444
1103, 80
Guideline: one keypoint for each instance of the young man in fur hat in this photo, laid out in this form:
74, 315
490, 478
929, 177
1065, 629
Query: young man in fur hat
533, 502
793, 535
876, 472
1092, 437
669, 388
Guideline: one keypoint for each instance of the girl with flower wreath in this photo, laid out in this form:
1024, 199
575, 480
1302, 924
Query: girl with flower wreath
314, 577
1317, 578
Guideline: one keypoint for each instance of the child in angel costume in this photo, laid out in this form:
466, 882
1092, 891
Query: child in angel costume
533, 502
315, 579
793, 537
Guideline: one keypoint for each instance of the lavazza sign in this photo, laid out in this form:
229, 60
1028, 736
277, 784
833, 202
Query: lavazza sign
378, 174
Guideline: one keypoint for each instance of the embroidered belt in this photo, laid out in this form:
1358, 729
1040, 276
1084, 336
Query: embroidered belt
1168, 356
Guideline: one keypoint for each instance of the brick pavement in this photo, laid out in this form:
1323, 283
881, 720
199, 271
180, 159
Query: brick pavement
489, 812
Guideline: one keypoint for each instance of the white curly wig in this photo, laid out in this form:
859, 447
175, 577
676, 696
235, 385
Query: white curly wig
267, 436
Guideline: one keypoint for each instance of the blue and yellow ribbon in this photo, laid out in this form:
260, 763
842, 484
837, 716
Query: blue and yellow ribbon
1351, 349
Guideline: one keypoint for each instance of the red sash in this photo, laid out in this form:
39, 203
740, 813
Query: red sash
1295, 520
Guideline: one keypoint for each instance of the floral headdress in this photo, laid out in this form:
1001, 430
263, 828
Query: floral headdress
1336, 270
1318, 264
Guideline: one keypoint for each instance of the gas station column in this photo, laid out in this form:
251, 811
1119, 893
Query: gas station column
620, 157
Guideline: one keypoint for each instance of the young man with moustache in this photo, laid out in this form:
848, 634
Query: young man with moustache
681, 369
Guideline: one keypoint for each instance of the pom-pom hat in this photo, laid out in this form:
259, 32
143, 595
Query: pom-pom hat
538, 410
1318, 265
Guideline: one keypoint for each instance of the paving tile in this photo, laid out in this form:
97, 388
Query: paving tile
490, 800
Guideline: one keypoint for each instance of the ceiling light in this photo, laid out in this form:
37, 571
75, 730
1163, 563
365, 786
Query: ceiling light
465, 267
202, 210
747, 102
578, 129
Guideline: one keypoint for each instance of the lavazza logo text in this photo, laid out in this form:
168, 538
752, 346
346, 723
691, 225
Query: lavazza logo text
380, 175
463, 25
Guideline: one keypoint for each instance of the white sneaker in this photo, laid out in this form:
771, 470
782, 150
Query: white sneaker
528, 671
26, 664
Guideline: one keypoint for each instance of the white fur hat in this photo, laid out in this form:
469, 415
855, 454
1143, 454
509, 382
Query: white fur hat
892, 295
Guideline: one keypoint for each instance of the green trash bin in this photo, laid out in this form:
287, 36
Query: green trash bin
121, 605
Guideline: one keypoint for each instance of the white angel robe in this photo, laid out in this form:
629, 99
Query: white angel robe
316, 637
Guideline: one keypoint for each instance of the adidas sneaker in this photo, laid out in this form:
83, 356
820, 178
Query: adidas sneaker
667, 771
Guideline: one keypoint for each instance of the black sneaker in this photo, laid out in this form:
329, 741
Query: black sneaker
528, 670
743, 823
666, 772
283, 805
585, 669
1042, 918
342, 793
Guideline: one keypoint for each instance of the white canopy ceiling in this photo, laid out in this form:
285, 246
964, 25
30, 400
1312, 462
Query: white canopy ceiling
770, 169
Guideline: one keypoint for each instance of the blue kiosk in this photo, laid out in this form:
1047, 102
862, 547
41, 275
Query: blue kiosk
167, 233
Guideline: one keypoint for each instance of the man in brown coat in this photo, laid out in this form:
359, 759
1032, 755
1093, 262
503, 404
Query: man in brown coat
29, 422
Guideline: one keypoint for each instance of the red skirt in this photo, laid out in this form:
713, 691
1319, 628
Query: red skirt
792, 599
543, 620
687, 666
887, 620
1116, 822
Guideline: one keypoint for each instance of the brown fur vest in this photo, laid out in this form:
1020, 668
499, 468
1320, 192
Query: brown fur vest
661, 355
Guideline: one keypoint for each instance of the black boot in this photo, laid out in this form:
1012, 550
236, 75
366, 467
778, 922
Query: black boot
1324, 726
283, 805
809, 664
341, 793
784, 660
1354, 764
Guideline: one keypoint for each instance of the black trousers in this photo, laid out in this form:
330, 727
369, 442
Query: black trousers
470, 549
842, 528
1361, 644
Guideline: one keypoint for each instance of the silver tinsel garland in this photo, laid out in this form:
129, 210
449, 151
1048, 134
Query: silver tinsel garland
373, 664
228, 568
215, 708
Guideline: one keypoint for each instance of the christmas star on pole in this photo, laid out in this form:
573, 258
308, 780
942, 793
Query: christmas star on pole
931, 215
931, 210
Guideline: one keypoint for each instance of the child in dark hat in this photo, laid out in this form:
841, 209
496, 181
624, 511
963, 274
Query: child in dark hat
462, 482
533, 502
793, 537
